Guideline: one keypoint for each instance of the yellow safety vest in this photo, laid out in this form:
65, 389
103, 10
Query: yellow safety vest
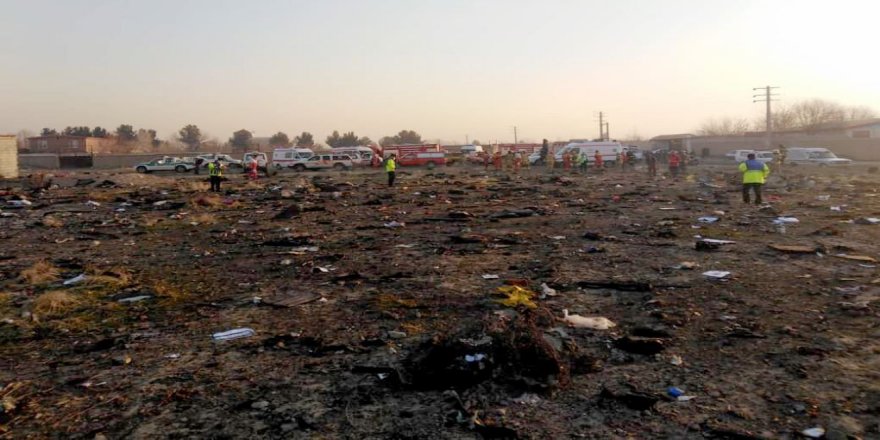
754, 171
214, 170
390, 165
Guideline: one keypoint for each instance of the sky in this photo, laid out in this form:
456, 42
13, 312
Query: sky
449, 69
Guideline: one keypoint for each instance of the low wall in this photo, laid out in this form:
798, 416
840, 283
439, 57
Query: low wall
39, 161
856, 149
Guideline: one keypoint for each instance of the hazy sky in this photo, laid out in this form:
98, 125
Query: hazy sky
444, 68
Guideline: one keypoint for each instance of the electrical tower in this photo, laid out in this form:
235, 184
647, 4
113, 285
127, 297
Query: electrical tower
767, 97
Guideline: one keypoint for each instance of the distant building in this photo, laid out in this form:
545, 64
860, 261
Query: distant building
673, 142
66, 144
8, 157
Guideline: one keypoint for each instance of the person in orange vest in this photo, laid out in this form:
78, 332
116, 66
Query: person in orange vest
496, 161
517, 162
674, 163
566, 161
252, 168
598, 158
375, 161
486, 161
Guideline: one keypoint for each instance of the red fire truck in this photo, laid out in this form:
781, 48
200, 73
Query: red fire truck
429, 155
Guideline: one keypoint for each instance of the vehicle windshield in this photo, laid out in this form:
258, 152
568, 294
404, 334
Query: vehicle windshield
822, 155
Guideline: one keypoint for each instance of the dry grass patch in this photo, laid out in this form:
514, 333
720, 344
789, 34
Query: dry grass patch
52, 222
168, 292
149, 221
191, 186
204, 219
42, 272
116, 277
55, 303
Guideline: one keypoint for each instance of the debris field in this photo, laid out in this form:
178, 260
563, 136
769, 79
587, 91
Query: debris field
459, 304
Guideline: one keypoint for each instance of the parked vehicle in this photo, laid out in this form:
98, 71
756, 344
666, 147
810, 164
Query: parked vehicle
736, 154
325, 161
470, 150
637, 153
428, 159
165, 164
262, 158
429, 155
816, 155
288, 157
224, 159
359, 155
608, 151
761, 156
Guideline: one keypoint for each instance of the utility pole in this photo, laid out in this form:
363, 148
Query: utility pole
607, 133
603, 127
767, 97
515, 141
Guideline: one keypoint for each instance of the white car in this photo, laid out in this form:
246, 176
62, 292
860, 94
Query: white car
165, 164
325, 162
224, 159
815, 155
760, 156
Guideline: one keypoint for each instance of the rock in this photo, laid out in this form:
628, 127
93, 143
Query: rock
287, 427
260, 405
394, 334
843, 427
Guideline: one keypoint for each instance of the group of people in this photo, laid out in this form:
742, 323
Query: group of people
510, 161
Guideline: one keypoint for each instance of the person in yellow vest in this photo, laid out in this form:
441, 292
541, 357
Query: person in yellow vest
754, 174
215, 173
390, 167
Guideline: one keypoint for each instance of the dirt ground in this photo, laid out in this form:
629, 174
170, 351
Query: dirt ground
376, 312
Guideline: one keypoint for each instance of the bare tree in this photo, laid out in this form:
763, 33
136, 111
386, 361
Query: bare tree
855, 113
725, 126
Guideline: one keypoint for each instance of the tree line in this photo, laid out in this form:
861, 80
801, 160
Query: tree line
802, 115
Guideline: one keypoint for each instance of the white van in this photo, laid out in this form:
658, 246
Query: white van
468, 150
358, 155
819, 156
288, 157
608, 151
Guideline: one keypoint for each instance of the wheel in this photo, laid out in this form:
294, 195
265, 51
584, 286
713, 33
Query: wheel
431, 165
299, 167
141, 169
339, 166
180, 169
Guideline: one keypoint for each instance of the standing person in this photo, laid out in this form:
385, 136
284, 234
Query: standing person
550, 161
566, 161
618, 160
583, 163
253, 167
507, 161
215, 173
783, 153
754, 174
545, 150
683, 161
496, 160
486, 161
598, 159
390, 167
375, 161
199, 162
651, 161
517, 162
631, 159
674, 163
